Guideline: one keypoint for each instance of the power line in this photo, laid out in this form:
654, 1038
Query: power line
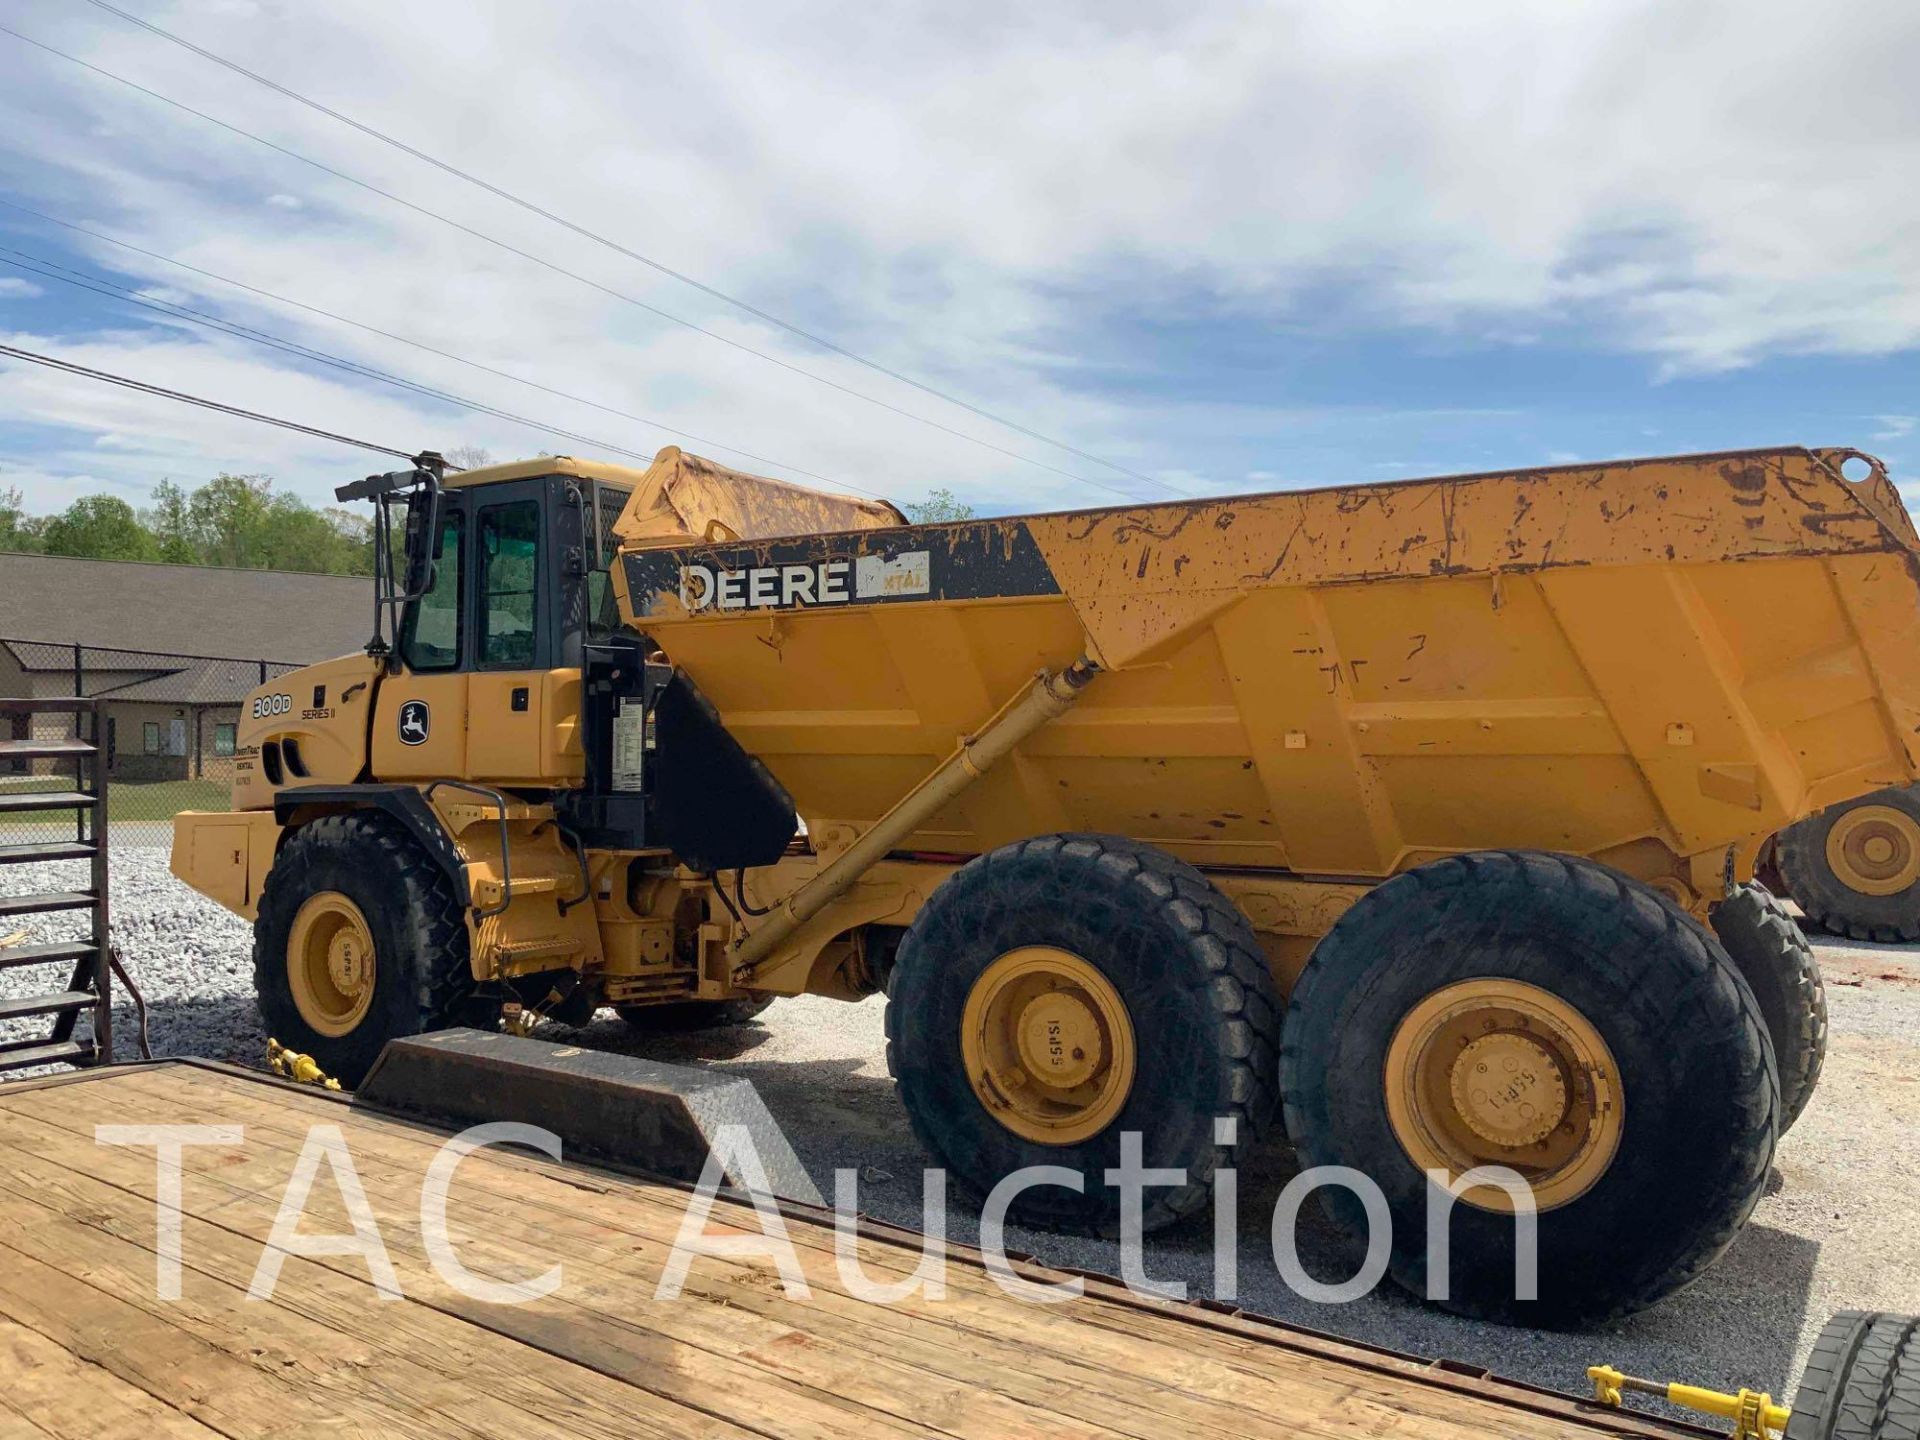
581, 230
48, 269
420, 345
562, 270
38, 266
145, 388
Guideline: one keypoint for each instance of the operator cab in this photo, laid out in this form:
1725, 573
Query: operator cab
491, 634
507, 666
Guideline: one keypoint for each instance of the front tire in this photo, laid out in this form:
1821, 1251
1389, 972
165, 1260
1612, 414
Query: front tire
359, 940
1553, 1016
1060, 992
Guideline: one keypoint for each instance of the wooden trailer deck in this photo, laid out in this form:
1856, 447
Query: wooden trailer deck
88, 1350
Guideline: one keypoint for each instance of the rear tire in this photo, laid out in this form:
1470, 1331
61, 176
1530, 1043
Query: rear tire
1172, 990
1841, 899
1862, 1381
420, 978
1781, 969
676, 1017
1644, 1200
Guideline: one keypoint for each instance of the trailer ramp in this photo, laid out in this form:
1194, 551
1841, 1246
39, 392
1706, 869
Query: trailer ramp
87, 1349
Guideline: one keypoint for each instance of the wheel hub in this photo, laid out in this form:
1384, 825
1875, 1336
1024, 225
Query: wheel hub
1498, 1072
1059, 1037
1048, 1045
347, 962
330, 963
1508, 1090
1875, 850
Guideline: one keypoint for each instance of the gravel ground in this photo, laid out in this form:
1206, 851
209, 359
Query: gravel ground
1836, 1230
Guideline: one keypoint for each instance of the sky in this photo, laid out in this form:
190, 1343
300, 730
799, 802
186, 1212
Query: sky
1170, 249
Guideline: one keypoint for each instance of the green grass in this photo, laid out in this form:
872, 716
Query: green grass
158, 800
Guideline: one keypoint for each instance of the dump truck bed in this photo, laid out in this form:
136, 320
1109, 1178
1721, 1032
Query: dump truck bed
1687, 652
88, 1351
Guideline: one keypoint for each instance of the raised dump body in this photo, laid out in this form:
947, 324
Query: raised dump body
1650, 662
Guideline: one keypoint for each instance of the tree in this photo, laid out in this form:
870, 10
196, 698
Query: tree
940, 505
469, 457
169, 524
18, 530
227, 520
101, 527
232, 520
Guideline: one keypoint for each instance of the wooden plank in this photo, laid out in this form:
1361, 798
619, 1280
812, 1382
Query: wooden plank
1171, 1347
704, 1356
46, 1391
527, 1396
1194, 1358
1246, 1378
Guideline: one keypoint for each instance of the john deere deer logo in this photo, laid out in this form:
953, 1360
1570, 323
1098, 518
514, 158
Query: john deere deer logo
413, 723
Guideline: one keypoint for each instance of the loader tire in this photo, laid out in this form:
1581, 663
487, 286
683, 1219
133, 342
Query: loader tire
1781, 969
1862, 1381
1855, 868
1058, 993
676, 1017
359, 940
1640, 1097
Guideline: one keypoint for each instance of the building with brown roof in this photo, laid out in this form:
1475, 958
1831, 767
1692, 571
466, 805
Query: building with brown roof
173, 649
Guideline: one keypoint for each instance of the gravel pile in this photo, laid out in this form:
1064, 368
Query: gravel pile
1836, 1229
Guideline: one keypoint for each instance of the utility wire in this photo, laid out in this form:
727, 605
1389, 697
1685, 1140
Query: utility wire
127, 382
558, 269
576, 228
37, 266
422, 345
48, 269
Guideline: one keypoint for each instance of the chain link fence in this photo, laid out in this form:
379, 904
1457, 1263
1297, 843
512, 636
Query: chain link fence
168, 722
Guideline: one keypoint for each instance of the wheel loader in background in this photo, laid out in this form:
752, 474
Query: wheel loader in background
1424, 814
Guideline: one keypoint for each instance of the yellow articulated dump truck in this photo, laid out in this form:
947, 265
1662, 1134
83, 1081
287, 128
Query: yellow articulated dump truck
1424, 815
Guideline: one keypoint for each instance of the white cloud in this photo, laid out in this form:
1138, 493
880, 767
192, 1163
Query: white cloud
959, 192
12, 287
1894, 427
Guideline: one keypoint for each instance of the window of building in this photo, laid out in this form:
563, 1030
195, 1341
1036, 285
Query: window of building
163, 737
223, 739
509, 580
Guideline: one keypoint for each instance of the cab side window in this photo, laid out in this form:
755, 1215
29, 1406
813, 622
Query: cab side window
509, 558
432, 638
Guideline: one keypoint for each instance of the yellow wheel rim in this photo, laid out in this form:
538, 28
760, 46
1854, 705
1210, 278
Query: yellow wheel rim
1875, 850
1048, 1045
330, 963
1498, 1072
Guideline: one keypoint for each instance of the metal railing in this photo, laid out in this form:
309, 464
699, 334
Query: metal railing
46, 836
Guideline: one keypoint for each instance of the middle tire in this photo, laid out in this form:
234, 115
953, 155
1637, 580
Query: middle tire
1781, 969
1552, 1016
1059, 992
